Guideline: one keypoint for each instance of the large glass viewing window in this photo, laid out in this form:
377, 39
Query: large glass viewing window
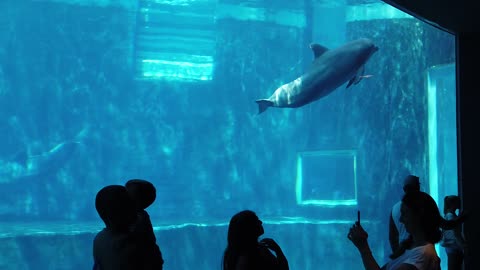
94, 93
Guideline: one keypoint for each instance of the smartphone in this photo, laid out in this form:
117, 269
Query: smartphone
358, 217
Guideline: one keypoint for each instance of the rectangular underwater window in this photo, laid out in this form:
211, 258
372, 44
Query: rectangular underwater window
326, 178
175, 40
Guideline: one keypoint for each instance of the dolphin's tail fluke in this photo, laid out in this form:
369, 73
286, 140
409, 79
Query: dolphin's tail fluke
263, 104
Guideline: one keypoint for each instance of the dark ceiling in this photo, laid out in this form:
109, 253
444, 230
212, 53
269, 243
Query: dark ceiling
455, 16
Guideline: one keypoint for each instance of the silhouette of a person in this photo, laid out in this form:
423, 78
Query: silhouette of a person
453, 240
114, 248
397, 232
143, 194
422, 220
245, 252
398, 235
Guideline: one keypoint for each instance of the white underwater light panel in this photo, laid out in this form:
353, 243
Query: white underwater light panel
288, 17
175, 40
374, 11
177, 70
326, 178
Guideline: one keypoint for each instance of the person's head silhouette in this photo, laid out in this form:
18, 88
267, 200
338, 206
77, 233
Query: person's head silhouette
142, 192
115, 207
244, 229
411, 183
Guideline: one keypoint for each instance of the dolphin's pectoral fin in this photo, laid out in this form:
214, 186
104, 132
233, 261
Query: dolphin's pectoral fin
352, 80
263, 104
317, 49
357, 78
361, 71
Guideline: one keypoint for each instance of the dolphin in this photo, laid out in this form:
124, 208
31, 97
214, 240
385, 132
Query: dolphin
35, 165
329, 70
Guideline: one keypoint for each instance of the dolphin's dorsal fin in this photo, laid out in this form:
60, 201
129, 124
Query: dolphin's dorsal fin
317, 49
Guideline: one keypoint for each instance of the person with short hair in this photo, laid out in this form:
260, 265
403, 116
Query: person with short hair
114, 248
143, 194
397, 232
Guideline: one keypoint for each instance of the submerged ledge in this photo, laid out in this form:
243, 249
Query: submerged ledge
68, 228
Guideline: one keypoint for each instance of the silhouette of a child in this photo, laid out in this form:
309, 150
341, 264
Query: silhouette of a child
143, 193
453, 240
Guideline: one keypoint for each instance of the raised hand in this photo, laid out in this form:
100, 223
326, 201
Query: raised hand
358, 236
271, 244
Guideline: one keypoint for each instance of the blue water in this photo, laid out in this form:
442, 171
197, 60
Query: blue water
94, 93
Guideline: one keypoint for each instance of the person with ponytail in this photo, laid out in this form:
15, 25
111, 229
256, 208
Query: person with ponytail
423, 222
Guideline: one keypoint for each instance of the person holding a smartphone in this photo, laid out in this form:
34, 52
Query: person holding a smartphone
422, 220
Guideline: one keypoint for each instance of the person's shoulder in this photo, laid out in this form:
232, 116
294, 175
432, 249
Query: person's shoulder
431, 261
430, 249
396, 207
397, 204
143, 215
429, 254
102, 234
421, 252
423, 257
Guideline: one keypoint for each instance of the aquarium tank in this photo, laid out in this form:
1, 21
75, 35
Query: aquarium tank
97, 92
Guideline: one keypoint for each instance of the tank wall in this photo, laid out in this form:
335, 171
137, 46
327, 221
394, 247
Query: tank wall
69, 70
